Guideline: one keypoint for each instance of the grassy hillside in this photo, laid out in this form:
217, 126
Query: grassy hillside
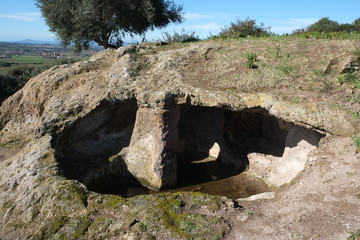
299, 69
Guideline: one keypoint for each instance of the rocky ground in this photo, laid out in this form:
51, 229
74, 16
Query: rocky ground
58, 137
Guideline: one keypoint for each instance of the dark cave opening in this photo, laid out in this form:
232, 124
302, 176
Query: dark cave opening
86, 149
214, 143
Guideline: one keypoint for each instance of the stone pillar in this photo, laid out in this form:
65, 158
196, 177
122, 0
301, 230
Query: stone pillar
151, 155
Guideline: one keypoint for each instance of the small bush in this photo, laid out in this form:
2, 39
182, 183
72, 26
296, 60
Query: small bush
181, 37
245, 28
250, 60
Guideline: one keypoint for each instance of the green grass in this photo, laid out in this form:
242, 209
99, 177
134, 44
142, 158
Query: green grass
326, 35
355, 236
34, 61
356, 139
356, 115
286, 69
297, 100
18, 61
307, 35
29, 59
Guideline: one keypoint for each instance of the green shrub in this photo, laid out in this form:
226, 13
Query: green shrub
329, 29
181, 37
324, 25
244, 28
250, 60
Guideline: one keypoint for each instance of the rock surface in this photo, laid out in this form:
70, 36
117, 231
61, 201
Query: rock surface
128, 114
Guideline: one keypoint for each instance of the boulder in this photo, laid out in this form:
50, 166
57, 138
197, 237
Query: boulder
130, 116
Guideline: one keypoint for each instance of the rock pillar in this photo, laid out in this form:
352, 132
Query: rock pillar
151, 155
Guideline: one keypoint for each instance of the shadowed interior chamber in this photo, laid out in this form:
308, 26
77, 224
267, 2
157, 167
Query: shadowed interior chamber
213, 146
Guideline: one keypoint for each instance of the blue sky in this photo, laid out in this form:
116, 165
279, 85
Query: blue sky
20, 19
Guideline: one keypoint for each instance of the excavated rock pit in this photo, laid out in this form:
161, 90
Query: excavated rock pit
85, 149
181, 118
217, 151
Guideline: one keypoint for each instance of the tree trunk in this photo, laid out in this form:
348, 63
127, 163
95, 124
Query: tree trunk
106, 45
103, 40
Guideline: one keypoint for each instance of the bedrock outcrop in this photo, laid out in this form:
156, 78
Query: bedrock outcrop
131, 114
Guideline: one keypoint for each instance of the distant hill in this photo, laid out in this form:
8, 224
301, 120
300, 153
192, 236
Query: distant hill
38, 47
30, 41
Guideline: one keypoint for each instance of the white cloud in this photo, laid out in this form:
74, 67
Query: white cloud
207, 26
210, 15
193, 16
25, 16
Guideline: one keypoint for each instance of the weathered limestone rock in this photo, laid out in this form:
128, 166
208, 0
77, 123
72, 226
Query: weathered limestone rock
151, 156
132, 115
349, 65
280, 170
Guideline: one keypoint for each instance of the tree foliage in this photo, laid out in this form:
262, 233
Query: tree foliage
325, 25
80, 22
244, 28
356, 25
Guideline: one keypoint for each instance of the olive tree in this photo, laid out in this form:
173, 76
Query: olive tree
105, 22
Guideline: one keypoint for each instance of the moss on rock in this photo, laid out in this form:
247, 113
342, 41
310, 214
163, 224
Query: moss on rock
176, 214
50, 228
72, 191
